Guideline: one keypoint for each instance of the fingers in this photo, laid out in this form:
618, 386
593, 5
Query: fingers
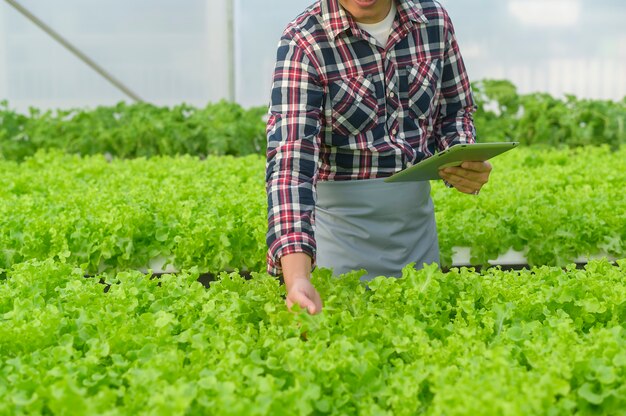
477, 171
317, 301
463, 184
300, 298
464, 189
477, 166
469, 177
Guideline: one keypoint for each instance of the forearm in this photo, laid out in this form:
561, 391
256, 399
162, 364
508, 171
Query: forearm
295, 266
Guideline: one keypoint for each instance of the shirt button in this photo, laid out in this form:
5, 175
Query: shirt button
394, 131
391, 94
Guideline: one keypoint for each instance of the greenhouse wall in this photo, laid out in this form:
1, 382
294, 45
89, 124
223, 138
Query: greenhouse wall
168, 53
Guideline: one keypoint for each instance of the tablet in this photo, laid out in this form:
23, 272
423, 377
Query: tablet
428, 169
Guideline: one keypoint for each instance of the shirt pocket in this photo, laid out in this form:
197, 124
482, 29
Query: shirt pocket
422, 81
354, 106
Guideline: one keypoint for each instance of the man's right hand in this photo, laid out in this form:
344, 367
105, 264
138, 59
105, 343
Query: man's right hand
303, 293
297, 274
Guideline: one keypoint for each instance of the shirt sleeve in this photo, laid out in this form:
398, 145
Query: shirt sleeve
456, 105
292, 131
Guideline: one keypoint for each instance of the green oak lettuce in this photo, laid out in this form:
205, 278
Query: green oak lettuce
115, 215
529, 342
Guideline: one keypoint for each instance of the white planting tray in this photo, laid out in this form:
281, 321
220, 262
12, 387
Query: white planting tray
461, 257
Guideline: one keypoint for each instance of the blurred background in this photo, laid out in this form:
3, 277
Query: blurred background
200, 51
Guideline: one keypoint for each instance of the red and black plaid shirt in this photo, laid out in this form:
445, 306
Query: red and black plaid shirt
344, 107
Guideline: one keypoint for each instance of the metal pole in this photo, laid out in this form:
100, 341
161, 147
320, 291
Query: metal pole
230, 27
4, 93
74, 50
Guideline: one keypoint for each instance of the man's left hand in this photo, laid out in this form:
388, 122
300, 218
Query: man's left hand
469, 177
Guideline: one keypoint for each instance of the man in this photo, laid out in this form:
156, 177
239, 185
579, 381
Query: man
362, 89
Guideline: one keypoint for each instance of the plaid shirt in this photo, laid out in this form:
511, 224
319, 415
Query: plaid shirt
344, 107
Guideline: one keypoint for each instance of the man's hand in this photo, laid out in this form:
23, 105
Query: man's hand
297, 276
302, 292
469, 177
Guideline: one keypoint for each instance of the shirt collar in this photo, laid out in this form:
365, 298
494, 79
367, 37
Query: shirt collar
336, 20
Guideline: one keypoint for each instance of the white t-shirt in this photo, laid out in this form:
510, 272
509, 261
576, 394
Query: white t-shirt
381, 30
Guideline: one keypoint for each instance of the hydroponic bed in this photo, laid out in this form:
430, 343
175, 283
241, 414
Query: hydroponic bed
553, 205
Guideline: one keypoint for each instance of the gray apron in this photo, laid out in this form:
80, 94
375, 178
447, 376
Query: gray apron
372, 225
